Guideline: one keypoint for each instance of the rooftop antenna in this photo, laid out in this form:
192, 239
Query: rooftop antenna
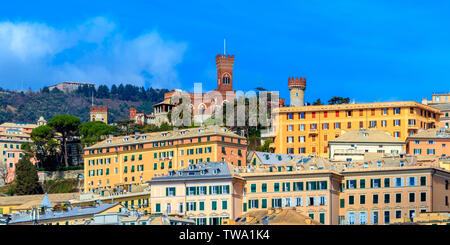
224, 46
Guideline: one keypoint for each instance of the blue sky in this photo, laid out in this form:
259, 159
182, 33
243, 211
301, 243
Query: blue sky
366, 50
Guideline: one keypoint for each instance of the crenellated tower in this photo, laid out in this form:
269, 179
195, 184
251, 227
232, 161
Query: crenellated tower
224, 64
297, 88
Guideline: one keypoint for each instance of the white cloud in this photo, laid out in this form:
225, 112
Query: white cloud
94, 51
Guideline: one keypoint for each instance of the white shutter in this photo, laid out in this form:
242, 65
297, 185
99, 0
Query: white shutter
307, 201
401, 182
415, 181
326, 201
317, 202
283, 202
301, 201
293, 202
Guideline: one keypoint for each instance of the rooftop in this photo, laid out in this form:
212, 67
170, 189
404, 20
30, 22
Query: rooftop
77, 211
353, 106
436, 133
165, 135
286, 216
366, 136
212, 170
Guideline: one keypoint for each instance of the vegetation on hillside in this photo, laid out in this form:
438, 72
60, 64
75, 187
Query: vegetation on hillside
28, 106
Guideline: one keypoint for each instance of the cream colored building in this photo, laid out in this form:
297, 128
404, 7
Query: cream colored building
354, 145
206, 192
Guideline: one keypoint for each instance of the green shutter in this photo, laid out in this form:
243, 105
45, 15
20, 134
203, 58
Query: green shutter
187, 192
210, 192
167, 191
195, 206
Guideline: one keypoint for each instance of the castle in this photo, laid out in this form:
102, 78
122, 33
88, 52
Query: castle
203, 105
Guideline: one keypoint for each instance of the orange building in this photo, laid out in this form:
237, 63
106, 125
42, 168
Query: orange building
431, 142
119, 162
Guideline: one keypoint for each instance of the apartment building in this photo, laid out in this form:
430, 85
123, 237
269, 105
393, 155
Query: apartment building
207, 193
431, 142
118, 162
307, 129
377, 196
355, 144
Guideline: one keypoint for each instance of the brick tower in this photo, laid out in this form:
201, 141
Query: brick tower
224, 65
99, 113
297, 88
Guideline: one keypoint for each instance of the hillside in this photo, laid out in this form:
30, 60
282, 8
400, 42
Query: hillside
27, 107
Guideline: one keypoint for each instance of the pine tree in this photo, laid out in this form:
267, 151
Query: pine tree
26, 178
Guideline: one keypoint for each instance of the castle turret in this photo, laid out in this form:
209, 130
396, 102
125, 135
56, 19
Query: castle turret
297, 88
224, 65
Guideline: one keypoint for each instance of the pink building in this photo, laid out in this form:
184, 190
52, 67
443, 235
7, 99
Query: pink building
431, 142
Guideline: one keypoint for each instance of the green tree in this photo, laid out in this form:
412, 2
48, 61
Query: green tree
265, 147
43, 146
93, 132
317, 102
26, 178
338, 100
67, 126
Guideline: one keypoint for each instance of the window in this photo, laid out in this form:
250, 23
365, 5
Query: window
374, 218
224, 204
412, 197
362, 183
375, 199
387, 198
264, 187
423, 196
398, 214
351, 200
213, 205
276, 187
423, 180
386, 217
398, 197
253, 188
342, 203
362, 199
387, 182
375, 183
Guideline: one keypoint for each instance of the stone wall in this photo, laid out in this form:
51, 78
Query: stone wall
52, 175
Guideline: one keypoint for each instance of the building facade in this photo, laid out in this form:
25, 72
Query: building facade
431, 142
207, 193
354, 145
99, 113
133, 159
307, 129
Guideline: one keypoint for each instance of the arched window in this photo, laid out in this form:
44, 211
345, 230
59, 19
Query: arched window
226, 78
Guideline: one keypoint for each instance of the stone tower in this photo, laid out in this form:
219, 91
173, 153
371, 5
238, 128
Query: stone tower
297, 88
99, 113
224, 64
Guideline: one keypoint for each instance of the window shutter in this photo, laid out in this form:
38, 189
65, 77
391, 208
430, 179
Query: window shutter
307, 201
326, 203
210, 190
293, 202
167, 191
195, 206
273, 202
256, 204
317, 201
301, 201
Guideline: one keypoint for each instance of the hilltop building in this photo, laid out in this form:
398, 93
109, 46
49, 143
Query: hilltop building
99, 113
205, 104
68, 87
141, 118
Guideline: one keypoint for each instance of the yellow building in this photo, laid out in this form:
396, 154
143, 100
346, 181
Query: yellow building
431, 218
15, 204
117, 163
307, 129
207, 193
